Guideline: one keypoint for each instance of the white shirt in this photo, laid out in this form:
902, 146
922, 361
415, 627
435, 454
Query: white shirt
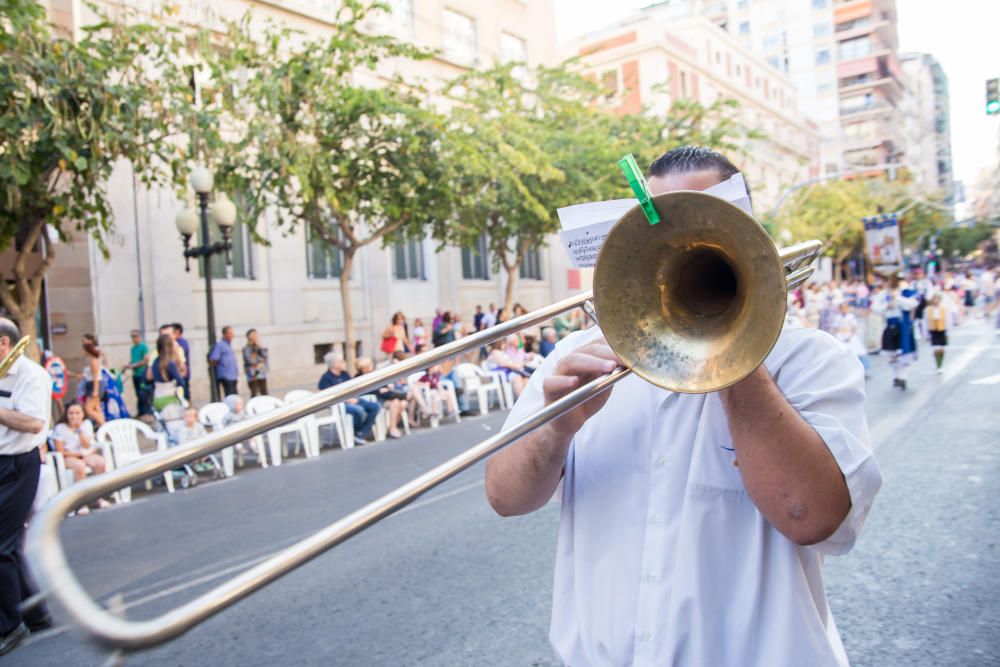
30, 389
73, 440
663, 559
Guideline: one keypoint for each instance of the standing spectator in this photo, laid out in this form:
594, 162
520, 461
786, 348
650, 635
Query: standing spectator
74, 439
477, 319
438, 316
444, 331
490, 317
178, 332
178, 351
138, 361
255, 364
419, 336
548, 341
363, 413
25, 406
92, 389
845, 329
396, 338
223, 361
165, 374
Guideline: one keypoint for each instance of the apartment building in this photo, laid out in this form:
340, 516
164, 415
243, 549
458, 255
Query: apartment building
926, 124
289, 290
658, 56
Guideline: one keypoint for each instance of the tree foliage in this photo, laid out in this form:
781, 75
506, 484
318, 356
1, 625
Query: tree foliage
69, 111
293, 133
528, 141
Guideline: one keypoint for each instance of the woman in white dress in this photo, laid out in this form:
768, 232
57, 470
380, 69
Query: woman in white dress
845, 329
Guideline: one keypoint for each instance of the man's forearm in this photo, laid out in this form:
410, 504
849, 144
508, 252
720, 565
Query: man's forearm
788, 470
19, 422
523, 477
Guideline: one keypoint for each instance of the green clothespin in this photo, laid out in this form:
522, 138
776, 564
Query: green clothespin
639, 187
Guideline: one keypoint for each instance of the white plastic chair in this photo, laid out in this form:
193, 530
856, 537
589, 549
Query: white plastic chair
335, 416
213, 416
261, 405
501, 378
476, 380
449, 387
119, 440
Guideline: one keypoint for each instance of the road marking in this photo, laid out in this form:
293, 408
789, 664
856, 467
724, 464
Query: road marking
882, 431
242, 565
992, 379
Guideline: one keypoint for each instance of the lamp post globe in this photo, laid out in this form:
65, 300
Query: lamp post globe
187, 221
201, 179
223, 211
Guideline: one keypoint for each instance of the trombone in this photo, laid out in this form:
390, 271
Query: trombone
692, 304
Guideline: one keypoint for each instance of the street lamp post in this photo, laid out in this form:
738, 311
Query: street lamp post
223, 212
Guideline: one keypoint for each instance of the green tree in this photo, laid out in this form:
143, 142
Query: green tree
528, 141
69, 112
294, 134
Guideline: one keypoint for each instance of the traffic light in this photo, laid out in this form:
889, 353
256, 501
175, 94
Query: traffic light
992, 97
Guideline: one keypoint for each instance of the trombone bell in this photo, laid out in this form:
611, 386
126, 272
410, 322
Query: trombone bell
695, 303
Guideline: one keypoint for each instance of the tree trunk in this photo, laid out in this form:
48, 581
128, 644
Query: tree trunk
24, 305
508, 296
345, 299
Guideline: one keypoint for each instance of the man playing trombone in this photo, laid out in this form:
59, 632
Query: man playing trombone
694, 526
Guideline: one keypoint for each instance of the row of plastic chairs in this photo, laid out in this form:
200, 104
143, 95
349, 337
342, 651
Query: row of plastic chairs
119, 439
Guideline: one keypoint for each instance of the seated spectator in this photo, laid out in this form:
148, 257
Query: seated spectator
363, 413
191, 429
237, 413
504, 357
548, 341
438, 395
392, 397
74, 439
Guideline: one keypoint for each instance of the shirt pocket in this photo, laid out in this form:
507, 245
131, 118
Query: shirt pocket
713, 462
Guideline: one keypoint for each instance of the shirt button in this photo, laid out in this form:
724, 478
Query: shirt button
662, 461
656, 518
645, 636
649, 577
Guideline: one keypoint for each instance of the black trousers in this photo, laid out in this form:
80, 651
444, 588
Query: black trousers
226, 387
18, 484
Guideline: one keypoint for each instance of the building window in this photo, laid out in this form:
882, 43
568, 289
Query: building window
323, 260
823, 57
402, 16
240, 254
855, 48
475, 260
684, 84
775, 62
745, 27
772, 42
460, 38
609, 82
718, 57
512, 49
739, 70
408, 260
819, 4
821, 30
824, 87
531, 265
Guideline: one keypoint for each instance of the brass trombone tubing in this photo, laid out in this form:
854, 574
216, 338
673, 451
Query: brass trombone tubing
56, 578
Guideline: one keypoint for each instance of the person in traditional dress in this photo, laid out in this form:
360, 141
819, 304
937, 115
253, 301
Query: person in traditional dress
937, 318
845, 329
899, 314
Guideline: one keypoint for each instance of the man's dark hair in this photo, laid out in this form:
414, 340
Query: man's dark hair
694, 158
165, 326
178, 327
250, 331
225, 329
9, 331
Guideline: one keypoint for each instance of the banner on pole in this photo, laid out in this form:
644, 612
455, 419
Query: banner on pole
885, 250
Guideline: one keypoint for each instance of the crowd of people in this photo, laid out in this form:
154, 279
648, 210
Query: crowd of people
896, 316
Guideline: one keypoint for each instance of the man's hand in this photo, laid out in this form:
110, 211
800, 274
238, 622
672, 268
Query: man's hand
523, 477
575, 370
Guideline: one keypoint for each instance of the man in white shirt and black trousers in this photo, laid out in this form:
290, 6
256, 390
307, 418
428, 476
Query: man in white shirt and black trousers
25, 408
669, 553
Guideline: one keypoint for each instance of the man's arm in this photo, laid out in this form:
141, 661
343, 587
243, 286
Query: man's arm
789, 472
522, 478
22, 423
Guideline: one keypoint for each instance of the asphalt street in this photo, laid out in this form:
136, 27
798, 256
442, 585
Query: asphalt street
447, 582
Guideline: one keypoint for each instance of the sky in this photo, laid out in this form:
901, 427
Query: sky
961, 34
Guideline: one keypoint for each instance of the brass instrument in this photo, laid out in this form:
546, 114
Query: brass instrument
692, 304
12, 356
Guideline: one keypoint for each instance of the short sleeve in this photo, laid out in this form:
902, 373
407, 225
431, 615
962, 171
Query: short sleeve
825, 383
59, 433
33, 397
87, 429
215, 354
